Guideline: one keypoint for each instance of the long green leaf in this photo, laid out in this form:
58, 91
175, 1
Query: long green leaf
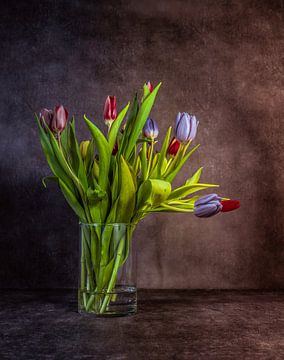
127, 194
104, 153
174, 173
129, 125
72, 201
116, 126
186, 190
51, 158
80, 169
163, 152
195, 178
140, 120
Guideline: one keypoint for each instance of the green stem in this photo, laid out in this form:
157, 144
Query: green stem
150, 159
83, 274
114, 275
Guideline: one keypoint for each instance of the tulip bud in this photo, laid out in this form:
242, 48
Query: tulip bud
150, 86
45, 117
84, 148
59, 120
96, 169
230, 205
207, 205
186, 127
173, 147
110, 113
150, 129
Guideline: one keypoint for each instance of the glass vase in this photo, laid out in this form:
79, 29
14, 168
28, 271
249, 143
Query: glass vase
107, 284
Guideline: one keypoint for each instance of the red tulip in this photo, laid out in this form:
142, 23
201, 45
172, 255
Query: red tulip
59, 120
230, 205
173, 147
150, 86
110, 113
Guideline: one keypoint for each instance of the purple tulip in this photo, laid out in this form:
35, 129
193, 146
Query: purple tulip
207, 205
46, 117
59, 120
186, 127
150, 129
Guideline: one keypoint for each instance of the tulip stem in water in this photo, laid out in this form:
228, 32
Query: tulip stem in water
113, 275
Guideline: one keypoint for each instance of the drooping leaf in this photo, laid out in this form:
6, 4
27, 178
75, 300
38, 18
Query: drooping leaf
53, 178
72, 201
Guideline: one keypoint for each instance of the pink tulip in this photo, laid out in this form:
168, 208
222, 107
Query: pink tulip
110, 113
150, 86
59, 120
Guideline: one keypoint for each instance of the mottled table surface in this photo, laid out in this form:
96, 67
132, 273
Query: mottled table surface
170, 324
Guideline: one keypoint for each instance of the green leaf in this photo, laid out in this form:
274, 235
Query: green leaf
186, 190
90, 157
64, 139
153, 170
52, 161
129, 125
104, 153
78, 164
146, 92
126, 199
195, 178
140, 120
163, 152
175, 162
116, 126
177, 169
95, 195
153, 192
61, 159
115, 184
185, 203
72, 201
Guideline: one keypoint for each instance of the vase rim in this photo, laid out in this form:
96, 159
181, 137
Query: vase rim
106, 224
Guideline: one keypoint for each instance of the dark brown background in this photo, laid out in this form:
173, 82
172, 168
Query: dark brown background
221, 60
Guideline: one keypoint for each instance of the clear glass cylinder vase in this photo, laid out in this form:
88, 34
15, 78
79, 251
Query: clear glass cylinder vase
107, 282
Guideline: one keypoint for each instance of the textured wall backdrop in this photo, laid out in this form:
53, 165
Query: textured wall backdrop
220, 60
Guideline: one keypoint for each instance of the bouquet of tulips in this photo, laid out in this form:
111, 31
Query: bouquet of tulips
121, 178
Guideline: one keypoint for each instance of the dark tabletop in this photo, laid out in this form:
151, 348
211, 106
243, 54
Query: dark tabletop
169, 325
